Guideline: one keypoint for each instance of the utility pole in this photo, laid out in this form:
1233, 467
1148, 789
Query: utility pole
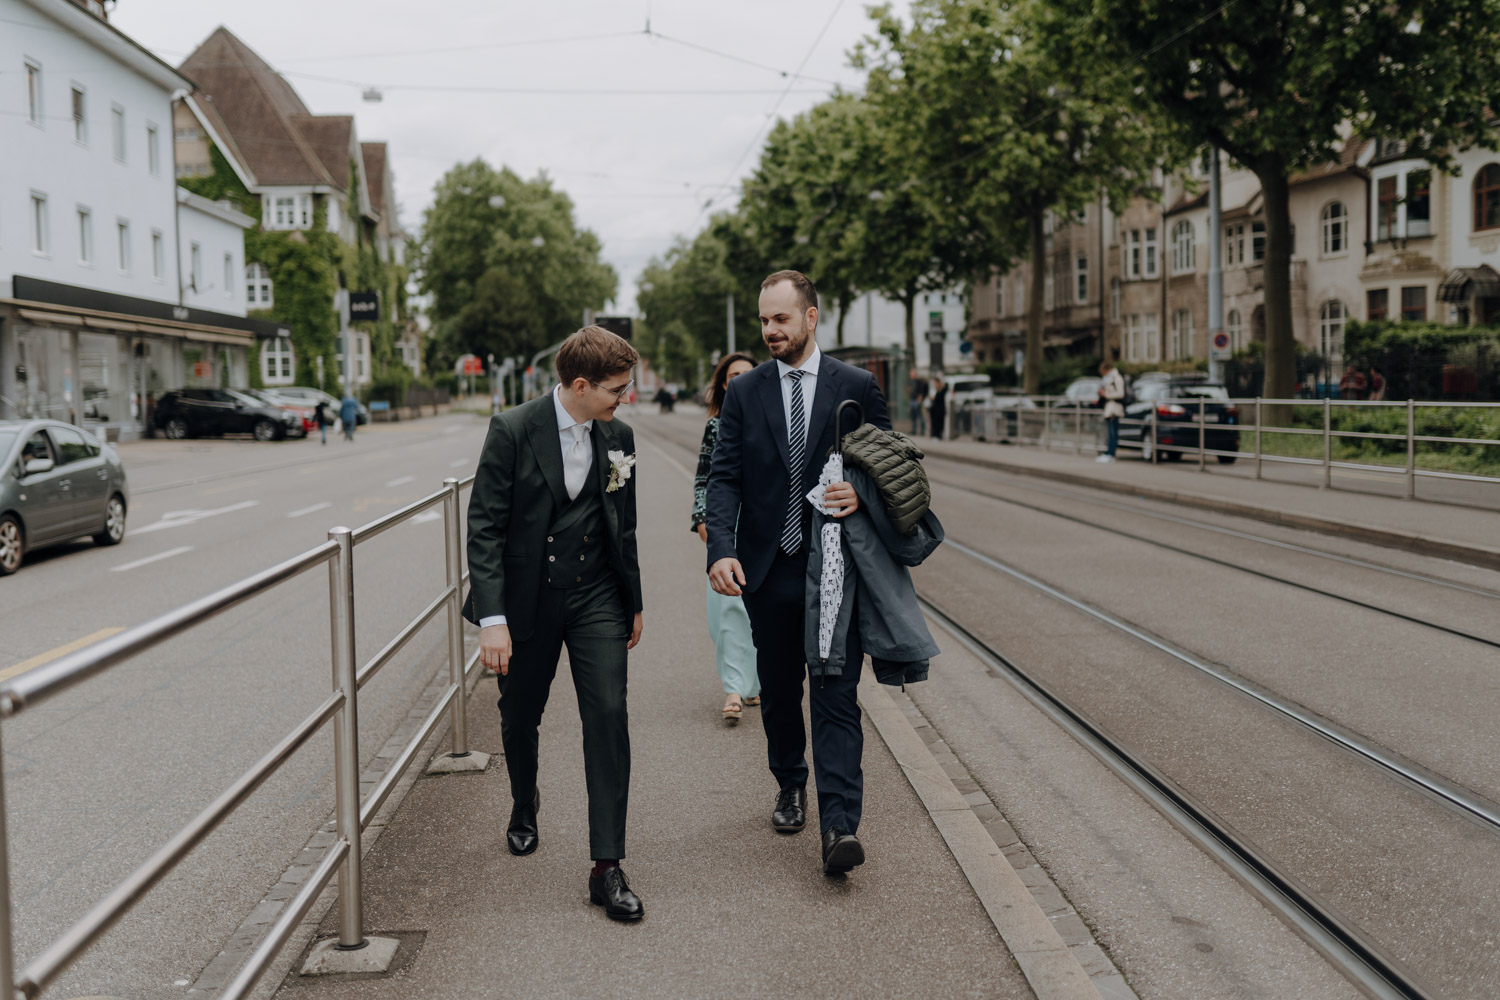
1216, 337
729, 320
342, 299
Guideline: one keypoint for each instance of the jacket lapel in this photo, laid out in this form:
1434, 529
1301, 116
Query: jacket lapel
770, 401
545, 444
829, 392
604, 440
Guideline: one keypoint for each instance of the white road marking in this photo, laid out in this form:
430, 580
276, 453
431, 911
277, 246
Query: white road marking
427, 515
151, 559
311, 510
458, 462
401, 480
177, 518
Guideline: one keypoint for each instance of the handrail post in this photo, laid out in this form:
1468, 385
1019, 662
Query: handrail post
1327, 442
453, 559
1078, 431
7, 955
346, 738
1257, 437
1411, 449
1202, 438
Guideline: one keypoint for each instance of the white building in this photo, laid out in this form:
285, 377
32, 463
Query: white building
95, 318
878, 322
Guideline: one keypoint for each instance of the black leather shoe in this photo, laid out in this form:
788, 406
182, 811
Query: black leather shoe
521, 836
612, 892
841, 851
790, 814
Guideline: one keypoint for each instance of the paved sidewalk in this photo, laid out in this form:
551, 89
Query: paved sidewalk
1465, 533
732, 908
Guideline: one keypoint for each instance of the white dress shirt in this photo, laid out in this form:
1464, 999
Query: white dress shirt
809, 369
578, 459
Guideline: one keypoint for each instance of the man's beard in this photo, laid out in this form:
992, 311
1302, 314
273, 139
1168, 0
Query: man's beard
792, 345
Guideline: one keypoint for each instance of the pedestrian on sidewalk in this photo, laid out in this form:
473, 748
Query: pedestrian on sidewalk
320, 414
1377, 385
553, 562
776, 426
1112, 393
939, 405
1353, 384
348, 416
918, 405
728, 623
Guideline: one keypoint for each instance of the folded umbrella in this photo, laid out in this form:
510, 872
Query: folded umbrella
831, 582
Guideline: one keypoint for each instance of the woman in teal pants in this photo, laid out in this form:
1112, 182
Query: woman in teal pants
728, 623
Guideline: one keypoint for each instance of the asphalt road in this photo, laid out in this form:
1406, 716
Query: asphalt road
97, 778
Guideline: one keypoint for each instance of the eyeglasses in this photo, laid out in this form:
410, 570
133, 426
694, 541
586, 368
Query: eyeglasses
619, 393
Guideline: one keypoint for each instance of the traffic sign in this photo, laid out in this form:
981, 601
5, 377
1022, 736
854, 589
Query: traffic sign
964, 347
1219, 349
620, 325
469, 364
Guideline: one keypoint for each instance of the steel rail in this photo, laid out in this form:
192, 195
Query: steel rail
397, 770
385, 522
1444, 791
40, 683
1363, 962
374, 665
68, 945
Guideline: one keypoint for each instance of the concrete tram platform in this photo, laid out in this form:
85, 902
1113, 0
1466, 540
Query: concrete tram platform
947, 905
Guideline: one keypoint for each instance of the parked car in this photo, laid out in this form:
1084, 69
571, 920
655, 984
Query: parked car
306, 412
1001, 417
313, 396
967, 390
1080, 392
57, 483
1172, 402
188, 413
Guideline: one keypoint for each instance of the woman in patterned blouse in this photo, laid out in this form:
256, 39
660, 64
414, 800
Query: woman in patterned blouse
727, 621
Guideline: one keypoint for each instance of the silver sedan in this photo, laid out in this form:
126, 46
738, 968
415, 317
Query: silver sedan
57, 483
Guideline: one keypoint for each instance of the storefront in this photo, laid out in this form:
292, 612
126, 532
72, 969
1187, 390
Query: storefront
101, 360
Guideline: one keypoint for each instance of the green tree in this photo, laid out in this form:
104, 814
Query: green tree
1278, 86
507, 266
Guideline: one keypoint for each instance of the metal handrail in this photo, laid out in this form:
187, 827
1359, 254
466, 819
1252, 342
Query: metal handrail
341, 706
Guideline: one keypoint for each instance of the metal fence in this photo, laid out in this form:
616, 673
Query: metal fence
341, 706
1057, 421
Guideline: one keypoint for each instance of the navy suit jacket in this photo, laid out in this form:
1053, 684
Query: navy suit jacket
749, 478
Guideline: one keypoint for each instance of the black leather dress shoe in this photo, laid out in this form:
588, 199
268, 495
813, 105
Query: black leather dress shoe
841, 851
790, 814
521, 836
612, 892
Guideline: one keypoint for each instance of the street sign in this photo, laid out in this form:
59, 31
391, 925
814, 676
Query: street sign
1219, 347
965, 347
364, 306
620, 325
469, 364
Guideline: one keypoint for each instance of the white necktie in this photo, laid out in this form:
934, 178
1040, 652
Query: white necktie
575, 463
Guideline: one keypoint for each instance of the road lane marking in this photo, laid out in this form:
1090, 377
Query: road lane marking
401, 480
311, 510
16, 669
177, 518
458, 462
151, 559
427, 515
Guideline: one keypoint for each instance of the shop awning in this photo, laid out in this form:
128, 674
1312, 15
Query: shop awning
1463, 282
121, 323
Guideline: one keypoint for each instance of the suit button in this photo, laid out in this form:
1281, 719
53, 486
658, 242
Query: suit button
552, 558
585, 538
580, 580
549, 538
580, 558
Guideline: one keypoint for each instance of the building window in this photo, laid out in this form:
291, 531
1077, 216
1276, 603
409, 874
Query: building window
1257, 241
1487, 197
291, 211
1335, 229
258, 286
1419, 203
1331, 331
1133, 254
999, 296
153, 151
122, 237
1385, 208
1151, 268
34, 93
1133, 337
229, 276
1414, 304
39, 228
1020, 298
1183, 257
276, 361
1151, 332
117, 130
1081, 279
1114, 299
1234, 244
1235, 327
1377, 304
80, 117
85, 235
195, 264
156, 254
1048, 290
1180, 343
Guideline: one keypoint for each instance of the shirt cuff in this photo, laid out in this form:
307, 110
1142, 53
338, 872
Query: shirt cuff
492, 620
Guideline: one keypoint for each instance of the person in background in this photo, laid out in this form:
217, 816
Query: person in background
348, 416
1112, 393
728, 622
320, 414
918, 405
1377, 384
939, 405
1353, 384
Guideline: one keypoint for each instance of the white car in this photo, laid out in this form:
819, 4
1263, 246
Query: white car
965, 390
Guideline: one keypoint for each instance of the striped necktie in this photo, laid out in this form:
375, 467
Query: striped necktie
791, 530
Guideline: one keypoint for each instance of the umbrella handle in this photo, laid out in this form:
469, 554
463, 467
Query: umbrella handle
838, 423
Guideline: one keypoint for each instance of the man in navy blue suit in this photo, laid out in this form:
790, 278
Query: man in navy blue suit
775, 431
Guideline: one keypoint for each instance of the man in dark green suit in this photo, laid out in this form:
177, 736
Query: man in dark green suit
552, 560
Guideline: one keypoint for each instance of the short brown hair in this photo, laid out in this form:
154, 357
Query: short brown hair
807, 292
594, 354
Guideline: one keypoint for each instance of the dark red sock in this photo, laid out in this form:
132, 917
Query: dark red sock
600, 867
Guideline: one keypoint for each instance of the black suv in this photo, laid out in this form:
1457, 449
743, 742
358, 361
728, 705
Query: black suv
1173, 402
210, 412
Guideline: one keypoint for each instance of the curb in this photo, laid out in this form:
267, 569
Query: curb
1475, 555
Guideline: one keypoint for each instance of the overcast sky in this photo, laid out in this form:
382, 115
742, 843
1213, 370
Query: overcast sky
639, 166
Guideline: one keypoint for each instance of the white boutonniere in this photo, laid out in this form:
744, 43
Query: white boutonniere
620, 466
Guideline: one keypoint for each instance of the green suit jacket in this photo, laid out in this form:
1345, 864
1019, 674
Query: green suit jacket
518, 491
